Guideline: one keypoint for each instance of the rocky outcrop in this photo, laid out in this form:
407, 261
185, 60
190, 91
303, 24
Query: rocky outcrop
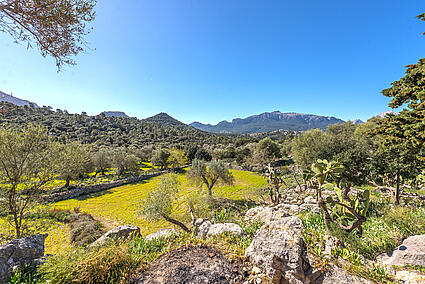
279, 252
270, 214
193, 264
118, 233
411, 252
334, 274
207, 229
266, 214
20, 252
409, 277
163, 233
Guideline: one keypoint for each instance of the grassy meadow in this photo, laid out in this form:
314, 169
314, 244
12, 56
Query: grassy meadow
121, 205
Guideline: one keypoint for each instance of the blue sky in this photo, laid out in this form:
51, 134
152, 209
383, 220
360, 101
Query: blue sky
210, 60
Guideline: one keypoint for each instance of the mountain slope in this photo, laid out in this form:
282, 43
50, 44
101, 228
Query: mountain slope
14, 100
108, 130
270, 121
165, 119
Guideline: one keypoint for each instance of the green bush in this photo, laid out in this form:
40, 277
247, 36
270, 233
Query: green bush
380, 234
26, 274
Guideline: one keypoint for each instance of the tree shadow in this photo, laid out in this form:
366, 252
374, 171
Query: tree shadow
105, 192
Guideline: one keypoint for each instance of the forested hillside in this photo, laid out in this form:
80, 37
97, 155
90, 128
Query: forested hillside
108, 131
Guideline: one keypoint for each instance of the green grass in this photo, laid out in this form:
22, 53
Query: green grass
121, 205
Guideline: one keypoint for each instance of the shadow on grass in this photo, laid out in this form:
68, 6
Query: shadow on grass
107, 191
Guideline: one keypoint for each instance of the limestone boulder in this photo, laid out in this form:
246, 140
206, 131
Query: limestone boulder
410, 252
278, 251
164, 233
207, 229
20, 252
266, 214
334, 274
118, 233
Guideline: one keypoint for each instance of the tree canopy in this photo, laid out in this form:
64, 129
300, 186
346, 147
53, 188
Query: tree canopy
56, 27
28, 162
210, 173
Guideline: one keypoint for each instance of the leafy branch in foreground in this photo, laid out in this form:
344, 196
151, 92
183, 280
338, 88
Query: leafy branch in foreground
57, 27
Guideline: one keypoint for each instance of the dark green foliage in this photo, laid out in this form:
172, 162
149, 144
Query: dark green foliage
408, 127
340, 142
202, 154
160, 158
107, 131
266, 151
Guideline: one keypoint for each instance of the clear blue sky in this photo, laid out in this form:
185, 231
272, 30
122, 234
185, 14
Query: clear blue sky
210, 60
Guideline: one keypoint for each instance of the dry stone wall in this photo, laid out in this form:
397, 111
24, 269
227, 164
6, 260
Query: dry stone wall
64, 194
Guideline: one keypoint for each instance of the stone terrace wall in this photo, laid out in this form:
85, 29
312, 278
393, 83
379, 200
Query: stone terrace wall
63, 194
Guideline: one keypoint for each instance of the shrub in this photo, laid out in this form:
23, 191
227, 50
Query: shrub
110, 264
26, 274
84, 229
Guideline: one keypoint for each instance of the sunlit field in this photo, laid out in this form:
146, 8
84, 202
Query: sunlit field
121, 205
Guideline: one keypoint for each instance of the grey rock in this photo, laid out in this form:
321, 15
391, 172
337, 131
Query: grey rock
334, 274
220, 228
310, 200
411, 252
204, 228
163, 233
208, 230
308, 207
409, 277
118, 233
266, 214
291, 208
278, 250
20, 252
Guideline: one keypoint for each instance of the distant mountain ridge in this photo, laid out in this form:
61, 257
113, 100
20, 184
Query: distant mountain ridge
270, 121
115, 113
14, 100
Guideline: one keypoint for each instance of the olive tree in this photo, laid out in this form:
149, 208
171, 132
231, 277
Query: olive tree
159, 203
102, 161
124, 161
74, 158
28, 162
160, 158
210, 173
56, 27
178, 158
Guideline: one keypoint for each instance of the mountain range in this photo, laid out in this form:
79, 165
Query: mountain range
270, 121
261, 123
